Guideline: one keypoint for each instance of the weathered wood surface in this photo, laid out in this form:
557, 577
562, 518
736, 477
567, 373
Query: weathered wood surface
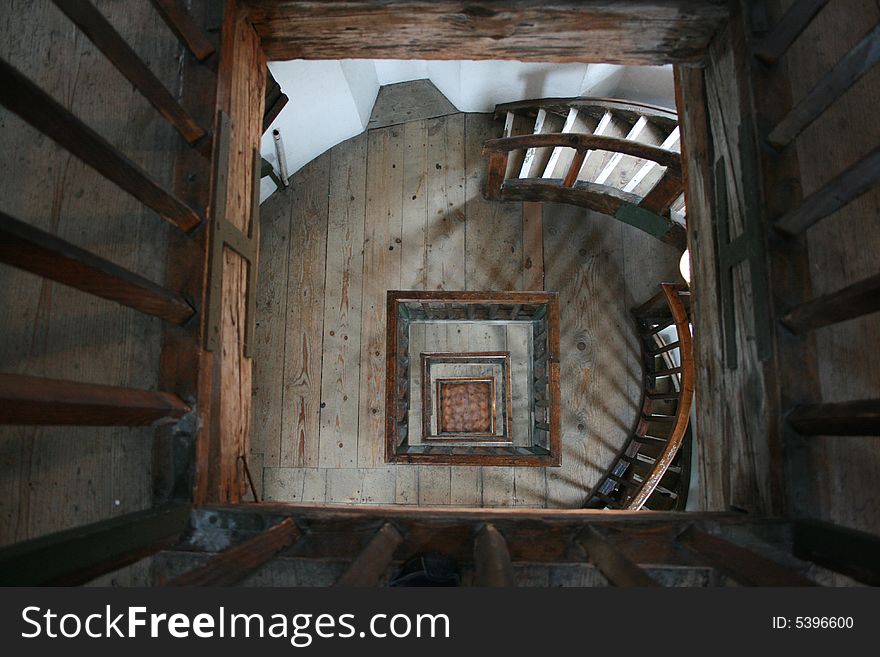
56, 478
78, 555
231, 566
370, 565
425, 226
40, 401
185, 27
837, 472
43, 254
850, 418
617, 569
862, 298
492, 558
788, 28
241, 94
639, 32
408, 101
99, 30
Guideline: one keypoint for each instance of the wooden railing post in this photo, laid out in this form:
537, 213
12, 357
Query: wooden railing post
617, 569
369, 566
492, 558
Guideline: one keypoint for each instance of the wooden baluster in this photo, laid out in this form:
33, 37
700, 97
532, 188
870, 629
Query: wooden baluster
33, 400
100, 32
574, 169
617, 569
41, 111
75, 556
184, 27
495, 175
853, 301
40, 253
372, 562
233, 565
852, 418
744, 566
492, 558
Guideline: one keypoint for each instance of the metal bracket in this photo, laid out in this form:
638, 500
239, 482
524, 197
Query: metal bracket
226, 234
748, 246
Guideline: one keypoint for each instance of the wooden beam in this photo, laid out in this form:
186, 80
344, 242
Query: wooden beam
856, 63
33, 250
635, 32
233, 565
40, 110
834, 195
853, 301
100, 32
852, 418
664, 193
799, 15
31, 400
608, 559
743, 566
492, 558
181, 22
369, 566
843, 550
76, 556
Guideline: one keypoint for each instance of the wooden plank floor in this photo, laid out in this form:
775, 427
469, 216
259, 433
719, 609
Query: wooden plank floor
400, 207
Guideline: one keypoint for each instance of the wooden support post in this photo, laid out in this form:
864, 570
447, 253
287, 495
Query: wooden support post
574, 169
495, 175
852, 418
233, 565
40, 110
799, 15
40, 253
31, 400
742, 565
492, 558
100, 32
184, 26
369, 566
853, 301
855, 64
617, 569
76, 556
843, 550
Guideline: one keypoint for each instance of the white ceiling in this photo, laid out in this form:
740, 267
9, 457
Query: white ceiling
331, 101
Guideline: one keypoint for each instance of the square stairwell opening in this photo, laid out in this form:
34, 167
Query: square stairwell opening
472, 378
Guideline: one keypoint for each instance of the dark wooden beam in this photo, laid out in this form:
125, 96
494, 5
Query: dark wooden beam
856, 63
369, 566
664, 193
610, 561
853, 301
634, 32
233, 565
834, 195
777, 42
743, 566
32, 400
76, 556
843, 550
41, 111
176, 16
100, 32
33, 250
492, 558
852, 418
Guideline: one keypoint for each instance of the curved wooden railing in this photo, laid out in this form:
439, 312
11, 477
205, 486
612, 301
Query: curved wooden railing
569, 179
652, 471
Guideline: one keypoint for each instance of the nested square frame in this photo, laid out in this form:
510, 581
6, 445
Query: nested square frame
501, 358
448, 433
541, 309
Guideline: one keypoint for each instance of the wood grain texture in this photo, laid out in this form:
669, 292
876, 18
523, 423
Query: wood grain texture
405, 102
56, 478
340, 370
646, 32
301, 401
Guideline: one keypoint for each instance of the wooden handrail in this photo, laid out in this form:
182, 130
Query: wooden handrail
584, 142
686, 396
